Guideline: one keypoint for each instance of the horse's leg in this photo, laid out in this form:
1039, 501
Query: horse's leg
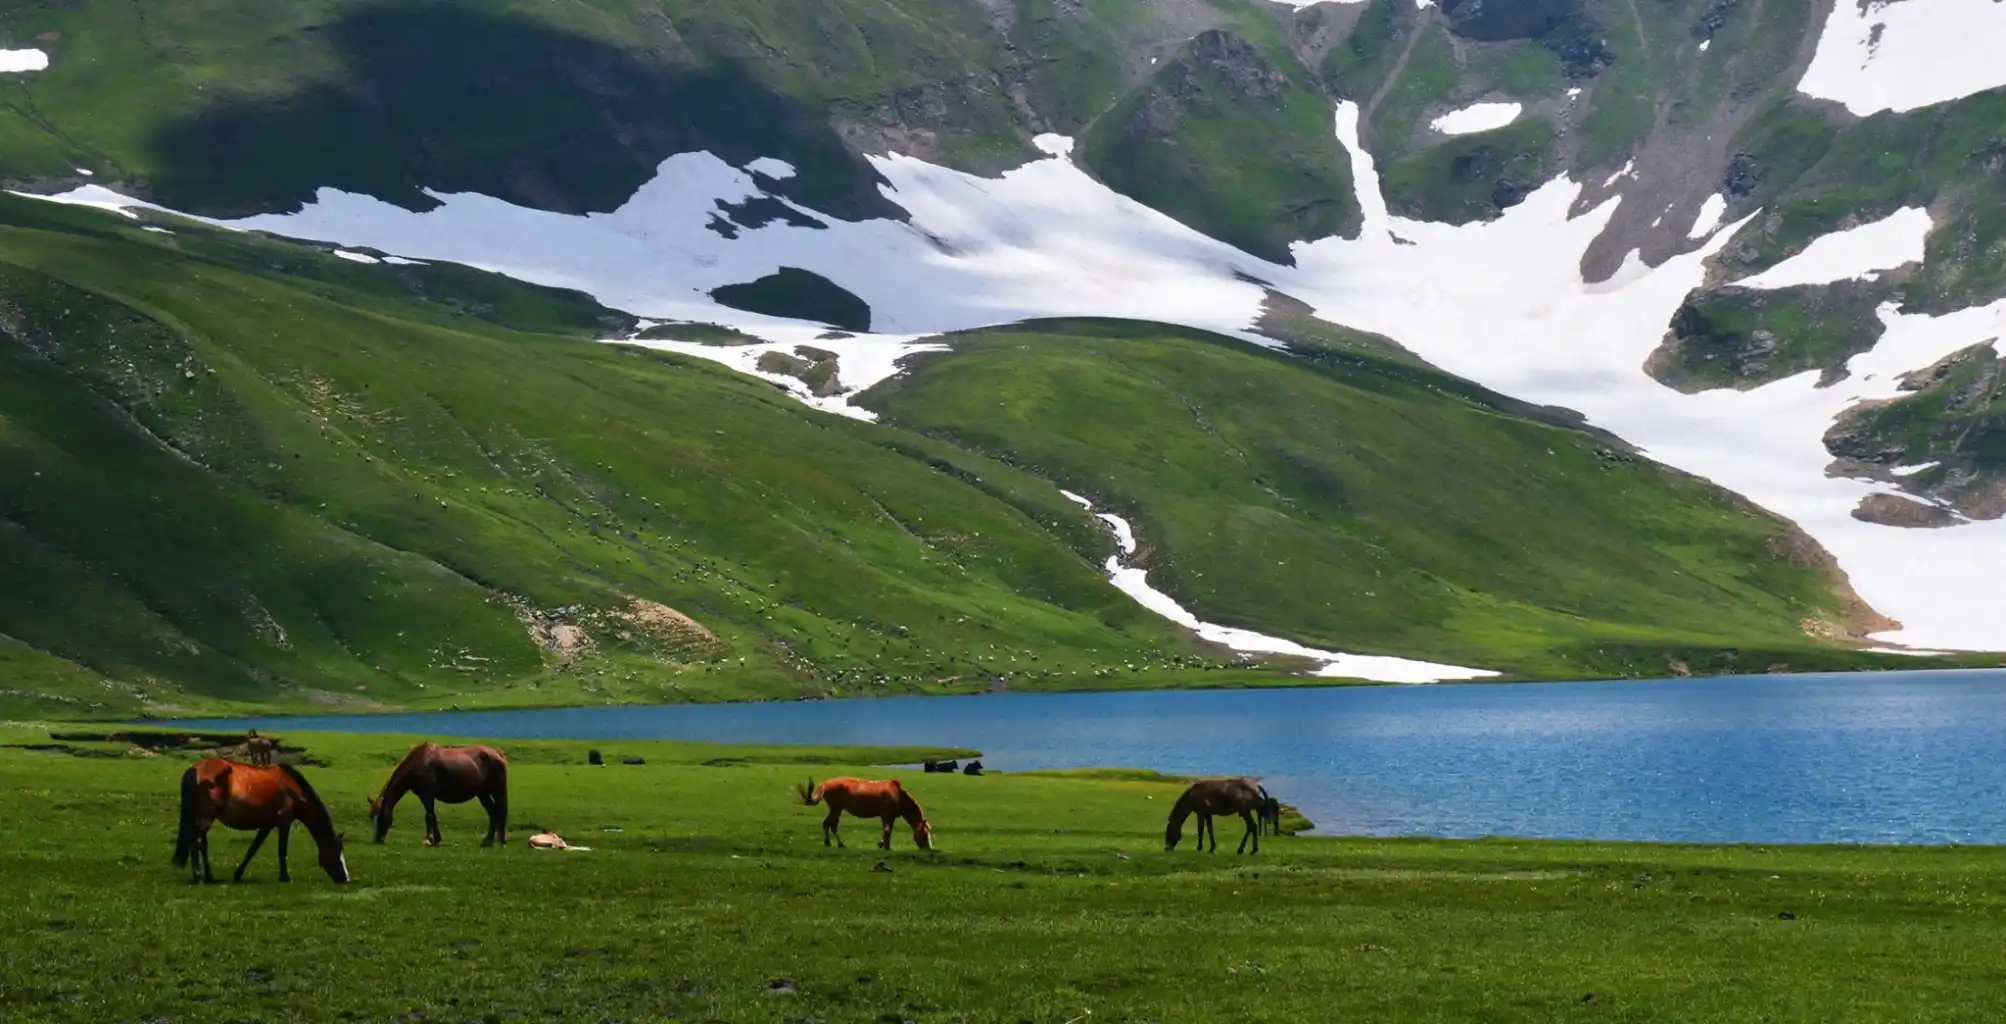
256, 841
208, 871
829, 827
500, 814
885, 839
488, 805
285, 834
432, 836
1251, 833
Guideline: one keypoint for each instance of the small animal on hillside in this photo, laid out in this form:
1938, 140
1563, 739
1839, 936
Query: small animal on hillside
246, 797
553, 841
453, 775
974, 768
1216, 796
257, 748
949, 767
592, 757
1271, 812
885, 800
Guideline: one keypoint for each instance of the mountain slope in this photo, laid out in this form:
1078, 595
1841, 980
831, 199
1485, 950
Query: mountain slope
1745, 237
1357, 504
241, 472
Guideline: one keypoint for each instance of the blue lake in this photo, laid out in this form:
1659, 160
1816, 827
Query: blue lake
1909, 757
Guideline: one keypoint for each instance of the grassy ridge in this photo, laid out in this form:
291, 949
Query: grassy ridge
1051, 897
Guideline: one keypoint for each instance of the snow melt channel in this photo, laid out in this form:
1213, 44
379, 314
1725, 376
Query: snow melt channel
1377, 668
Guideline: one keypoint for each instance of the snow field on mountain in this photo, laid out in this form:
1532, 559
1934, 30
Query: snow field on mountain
1855, 253
1903, 54
1502, 303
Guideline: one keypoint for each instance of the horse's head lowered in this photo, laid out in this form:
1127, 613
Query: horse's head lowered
333, 861
379, 816
922, 833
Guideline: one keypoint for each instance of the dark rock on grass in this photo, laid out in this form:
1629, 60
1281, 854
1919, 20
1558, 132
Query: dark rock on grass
781, 987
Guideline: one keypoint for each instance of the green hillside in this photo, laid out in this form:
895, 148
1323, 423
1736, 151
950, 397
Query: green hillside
242, 471
1367, 505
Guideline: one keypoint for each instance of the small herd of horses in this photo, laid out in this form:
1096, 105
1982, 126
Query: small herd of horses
267, 797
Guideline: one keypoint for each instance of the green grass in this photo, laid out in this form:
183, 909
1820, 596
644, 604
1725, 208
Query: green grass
1473, 177
1050, 898
1230, 137
1736, 338
1349, 536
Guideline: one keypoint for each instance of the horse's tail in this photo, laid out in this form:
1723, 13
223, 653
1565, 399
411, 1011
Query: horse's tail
811, 794
184, 840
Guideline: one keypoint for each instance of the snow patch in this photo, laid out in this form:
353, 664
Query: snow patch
862, 361
14, 62
1854, 253
1912, 470
1704, 43
96, 197
1378, 668
778, 170
86, 173
1709, 216
1053, 145
355, 257
400, 261
1904, 55
1477, 117
156, 229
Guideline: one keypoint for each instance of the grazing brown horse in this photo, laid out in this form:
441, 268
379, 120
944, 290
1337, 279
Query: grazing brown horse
885, 800
1216, 796
454, 775
245, 797
258, 748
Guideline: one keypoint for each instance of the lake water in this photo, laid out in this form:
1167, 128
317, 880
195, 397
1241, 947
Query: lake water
1909, 757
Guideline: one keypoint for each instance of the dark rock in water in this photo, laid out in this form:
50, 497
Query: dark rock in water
633, 760
592, 757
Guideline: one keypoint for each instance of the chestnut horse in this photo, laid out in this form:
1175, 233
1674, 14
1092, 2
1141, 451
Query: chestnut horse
885, 800
1216, 796
454, 775
245, 797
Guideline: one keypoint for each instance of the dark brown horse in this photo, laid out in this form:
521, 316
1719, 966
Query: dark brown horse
454, 775
1216, 796
245, 797
1271, 812
886, 800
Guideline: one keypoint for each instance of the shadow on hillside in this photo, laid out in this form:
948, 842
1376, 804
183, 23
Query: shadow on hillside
455, 100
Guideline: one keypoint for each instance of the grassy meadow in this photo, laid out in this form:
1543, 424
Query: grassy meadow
1049, 900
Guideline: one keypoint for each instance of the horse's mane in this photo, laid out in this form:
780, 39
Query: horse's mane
306, 788
906, 802
404, 766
